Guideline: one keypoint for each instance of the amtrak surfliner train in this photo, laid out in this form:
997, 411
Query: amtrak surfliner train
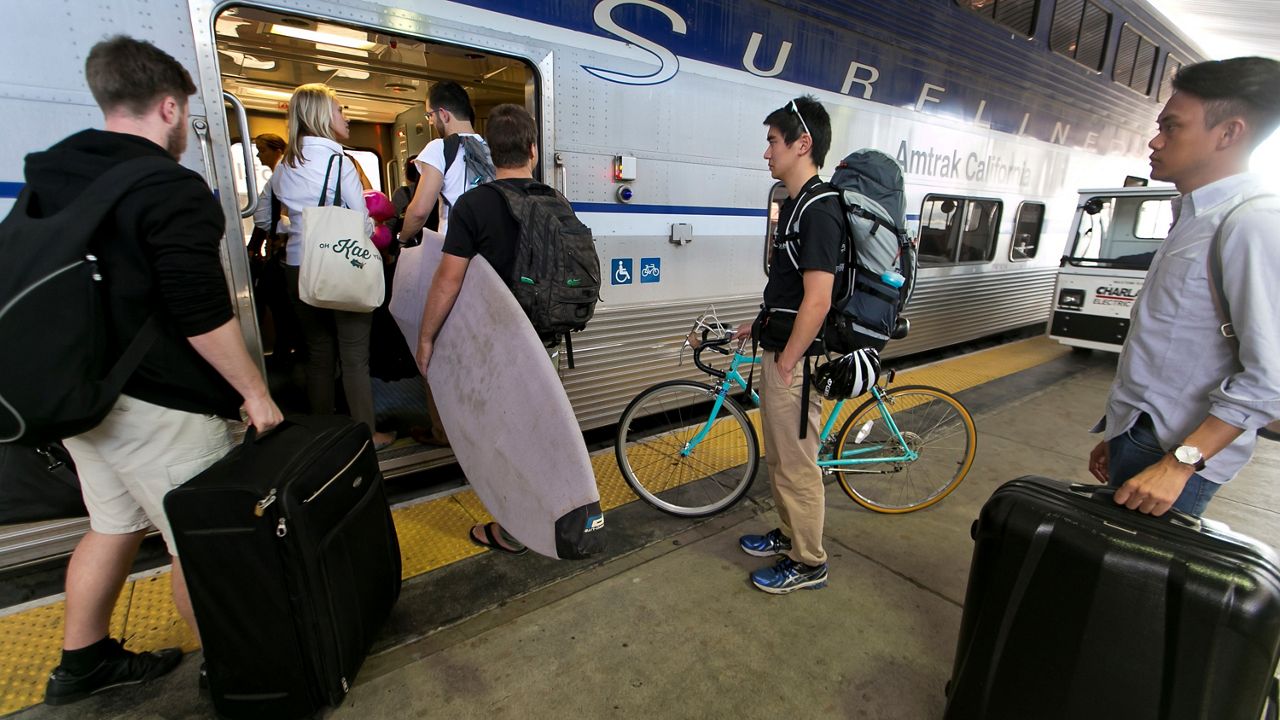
650, 114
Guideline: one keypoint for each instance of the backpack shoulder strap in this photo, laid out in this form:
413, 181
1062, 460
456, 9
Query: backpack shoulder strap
1215, 266
452, 146
795, 216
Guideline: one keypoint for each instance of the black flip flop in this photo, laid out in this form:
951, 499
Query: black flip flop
490, 539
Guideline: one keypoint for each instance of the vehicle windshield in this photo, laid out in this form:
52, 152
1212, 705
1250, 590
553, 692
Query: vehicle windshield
1121, 231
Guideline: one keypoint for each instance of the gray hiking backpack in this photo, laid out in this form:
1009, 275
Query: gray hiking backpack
479, 164
878, 274
556, 276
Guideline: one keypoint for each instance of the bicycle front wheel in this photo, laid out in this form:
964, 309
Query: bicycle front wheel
679, 457
932, 424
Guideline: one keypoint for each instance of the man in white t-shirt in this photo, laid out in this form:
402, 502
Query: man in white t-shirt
449, 108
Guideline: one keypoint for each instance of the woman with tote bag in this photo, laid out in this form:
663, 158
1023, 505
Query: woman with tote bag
326, 264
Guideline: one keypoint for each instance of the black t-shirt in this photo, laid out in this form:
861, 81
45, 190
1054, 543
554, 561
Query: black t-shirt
480, 223
812, 243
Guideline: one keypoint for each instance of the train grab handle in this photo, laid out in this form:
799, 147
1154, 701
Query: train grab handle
246, 145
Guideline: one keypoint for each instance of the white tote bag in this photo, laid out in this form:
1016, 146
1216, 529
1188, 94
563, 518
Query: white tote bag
341, 269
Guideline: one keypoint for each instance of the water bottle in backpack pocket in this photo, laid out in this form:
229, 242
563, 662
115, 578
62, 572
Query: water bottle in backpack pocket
865, 318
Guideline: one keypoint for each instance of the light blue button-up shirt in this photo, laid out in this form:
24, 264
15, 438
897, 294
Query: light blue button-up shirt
1176, 365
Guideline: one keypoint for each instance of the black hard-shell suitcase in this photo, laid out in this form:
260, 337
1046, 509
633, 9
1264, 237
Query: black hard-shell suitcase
291, 558
1081, 609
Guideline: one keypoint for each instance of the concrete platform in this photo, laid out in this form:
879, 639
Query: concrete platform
669, 626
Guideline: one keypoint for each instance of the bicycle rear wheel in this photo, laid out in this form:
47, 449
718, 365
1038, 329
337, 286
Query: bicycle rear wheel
933, 424
660, 460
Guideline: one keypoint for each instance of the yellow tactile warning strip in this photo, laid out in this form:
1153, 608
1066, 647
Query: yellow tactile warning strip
432, 534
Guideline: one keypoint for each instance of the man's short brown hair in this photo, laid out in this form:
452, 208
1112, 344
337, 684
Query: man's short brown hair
128, 74
510, 133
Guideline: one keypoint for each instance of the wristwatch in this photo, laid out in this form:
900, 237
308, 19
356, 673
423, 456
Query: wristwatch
1189, 455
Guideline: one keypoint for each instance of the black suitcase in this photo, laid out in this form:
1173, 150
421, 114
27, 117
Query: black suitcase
1080, 609
291, 558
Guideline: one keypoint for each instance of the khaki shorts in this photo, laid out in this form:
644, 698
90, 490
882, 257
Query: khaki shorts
136, 455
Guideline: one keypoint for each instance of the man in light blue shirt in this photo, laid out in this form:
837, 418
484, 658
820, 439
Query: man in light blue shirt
1187, 400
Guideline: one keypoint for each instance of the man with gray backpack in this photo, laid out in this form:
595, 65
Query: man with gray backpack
456, 161
838, 277
450, 165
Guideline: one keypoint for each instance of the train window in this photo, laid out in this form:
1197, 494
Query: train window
939, 223
777, 196
978, 240
1026, 231
957, 230
1171, 68
1017, 15
370, 167
1079, 31
1135, 60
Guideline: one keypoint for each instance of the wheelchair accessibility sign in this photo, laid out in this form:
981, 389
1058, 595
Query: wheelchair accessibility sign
621, 274
650, 270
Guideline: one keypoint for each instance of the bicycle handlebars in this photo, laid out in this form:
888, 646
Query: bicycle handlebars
718, 346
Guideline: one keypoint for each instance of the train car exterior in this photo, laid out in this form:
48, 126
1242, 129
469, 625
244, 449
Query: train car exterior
997, 111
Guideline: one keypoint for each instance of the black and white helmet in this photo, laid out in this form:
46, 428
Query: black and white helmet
849, 375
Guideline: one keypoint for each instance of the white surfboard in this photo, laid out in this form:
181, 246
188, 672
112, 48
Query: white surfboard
507, 415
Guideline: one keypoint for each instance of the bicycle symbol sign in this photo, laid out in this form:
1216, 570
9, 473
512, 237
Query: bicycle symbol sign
621, 274
650, 270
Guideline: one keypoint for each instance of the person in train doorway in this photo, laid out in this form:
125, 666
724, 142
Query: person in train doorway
442, 181
1190, 391
266, 248
482, 224
805, 253
162, 243
270, 149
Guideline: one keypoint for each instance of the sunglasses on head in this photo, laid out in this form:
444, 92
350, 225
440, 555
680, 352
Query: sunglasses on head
793, 108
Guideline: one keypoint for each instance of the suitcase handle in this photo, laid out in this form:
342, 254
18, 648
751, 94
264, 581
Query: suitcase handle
1106, 493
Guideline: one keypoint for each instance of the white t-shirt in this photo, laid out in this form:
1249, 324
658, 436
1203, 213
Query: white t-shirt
455, 180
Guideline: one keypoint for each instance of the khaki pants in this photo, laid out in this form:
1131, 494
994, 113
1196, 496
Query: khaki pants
794, 475
136, 455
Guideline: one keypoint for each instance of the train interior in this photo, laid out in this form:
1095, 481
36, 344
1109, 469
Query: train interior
382, 82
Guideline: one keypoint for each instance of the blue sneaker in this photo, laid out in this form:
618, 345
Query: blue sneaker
789, 575
767, 545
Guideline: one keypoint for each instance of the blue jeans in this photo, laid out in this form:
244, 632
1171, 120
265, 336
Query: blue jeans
1137, 449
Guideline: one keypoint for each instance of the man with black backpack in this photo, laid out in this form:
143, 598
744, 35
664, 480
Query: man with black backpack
807, 251
155, 285
527, 231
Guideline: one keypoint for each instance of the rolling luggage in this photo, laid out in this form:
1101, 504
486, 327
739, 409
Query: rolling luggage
1080, 609
292, 563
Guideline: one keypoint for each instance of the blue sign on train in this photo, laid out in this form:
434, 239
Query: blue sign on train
650, 270
620, 271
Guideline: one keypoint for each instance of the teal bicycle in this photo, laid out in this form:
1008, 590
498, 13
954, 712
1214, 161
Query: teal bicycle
691, 449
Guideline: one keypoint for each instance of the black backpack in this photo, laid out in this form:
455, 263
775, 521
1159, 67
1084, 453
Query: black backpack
56, 379
556, 278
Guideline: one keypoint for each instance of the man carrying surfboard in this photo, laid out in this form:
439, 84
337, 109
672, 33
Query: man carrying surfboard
797, 296
481, 224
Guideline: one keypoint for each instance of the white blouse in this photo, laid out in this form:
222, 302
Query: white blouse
300, 187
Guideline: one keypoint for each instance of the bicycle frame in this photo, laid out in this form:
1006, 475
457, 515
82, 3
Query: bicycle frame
848, 460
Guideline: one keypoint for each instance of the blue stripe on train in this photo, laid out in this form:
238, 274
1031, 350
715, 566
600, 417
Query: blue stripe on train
667, 209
